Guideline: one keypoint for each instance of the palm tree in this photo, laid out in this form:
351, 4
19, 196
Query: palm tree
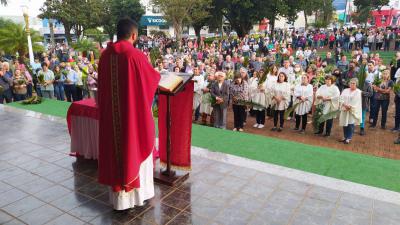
85, 45
13, 39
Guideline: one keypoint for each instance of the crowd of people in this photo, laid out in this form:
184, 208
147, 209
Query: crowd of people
279, 77
57, 76
272, 79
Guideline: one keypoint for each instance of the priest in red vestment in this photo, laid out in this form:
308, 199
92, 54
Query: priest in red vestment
126, 86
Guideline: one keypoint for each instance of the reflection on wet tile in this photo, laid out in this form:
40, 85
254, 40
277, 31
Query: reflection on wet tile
23, 206
178, 199
185, 218
41, 215
66, 219
53, 193
36, 186
76, 182
160, 214
90, 210
93, 189
70, 201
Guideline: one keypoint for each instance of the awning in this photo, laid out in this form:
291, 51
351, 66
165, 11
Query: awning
153, 21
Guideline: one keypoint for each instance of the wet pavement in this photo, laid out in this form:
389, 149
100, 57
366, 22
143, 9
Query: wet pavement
41, 184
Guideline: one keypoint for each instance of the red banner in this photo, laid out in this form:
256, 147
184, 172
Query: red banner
181, 128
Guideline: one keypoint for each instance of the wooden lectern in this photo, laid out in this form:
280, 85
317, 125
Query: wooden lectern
168, 176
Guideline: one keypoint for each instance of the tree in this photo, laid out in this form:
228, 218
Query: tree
5, 22
97, 35
74, 14
115, 10
322, 9
364, 7
242, 14
14, 39
177, 12
4, 2
200, 16
85, 45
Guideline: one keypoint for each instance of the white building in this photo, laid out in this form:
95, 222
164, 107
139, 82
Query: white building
153, 20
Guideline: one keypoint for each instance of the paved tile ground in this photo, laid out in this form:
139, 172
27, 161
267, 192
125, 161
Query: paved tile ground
41, 184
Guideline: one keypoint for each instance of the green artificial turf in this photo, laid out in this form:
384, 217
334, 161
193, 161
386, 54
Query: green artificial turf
385, 56
364, 169
48, 106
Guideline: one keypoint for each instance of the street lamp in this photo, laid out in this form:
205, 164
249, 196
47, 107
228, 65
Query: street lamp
28, 32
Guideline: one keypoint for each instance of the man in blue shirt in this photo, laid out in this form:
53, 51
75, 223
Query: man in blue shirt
70, 79
343, 64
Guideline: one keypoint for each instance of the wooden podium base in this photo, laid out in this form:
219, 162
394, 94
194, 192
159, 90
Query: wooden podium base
172, 178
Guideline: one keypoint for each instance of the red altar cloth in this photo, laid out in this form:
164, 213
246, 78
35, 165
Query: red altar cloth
84, 108
181, 127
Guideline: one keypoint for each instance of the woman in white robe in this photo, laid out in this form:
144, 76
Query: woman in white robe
294, 79
198, 85
257, 96
303, 96
350, 110
280, 100
272, 78
205, 106
328, 95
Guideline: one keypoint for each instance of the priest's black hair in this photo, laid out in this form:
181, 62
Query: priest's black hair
125, 28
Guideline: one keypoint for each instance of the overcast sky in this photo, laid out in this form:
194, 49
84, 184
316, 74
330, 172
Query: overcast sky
14, 7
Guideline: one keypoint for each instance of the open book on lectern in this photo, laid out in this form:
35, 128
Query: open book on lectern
170, 81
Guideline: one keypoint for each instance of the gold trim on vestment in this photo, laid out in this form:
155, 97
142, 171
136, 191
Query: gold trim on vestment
185, 168
116, 114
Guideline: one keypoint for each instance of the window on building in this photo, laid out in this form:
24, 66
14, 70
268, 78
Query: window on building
155, 9
164, 27
394, 20
383, 20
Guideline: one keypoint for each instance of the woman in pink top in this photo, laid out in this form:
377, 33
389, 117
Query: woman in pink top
28, 78
92, 81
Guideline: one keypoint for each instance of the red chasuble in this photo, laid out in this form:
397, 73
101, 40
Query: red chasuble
126, 87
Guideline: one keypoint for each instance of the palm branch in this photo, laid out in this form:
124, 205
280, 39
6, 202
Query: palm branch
85, 45
291, 109
13, 39
327, 116
316, 116
361, 76
377, 81
396, 87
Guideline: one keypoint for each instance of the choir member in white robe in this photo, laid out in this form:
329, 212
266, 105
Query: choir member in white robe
280, 100
350, 110
198, 85
257, 96
272, 78
303, 96
205, 106
328, 95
